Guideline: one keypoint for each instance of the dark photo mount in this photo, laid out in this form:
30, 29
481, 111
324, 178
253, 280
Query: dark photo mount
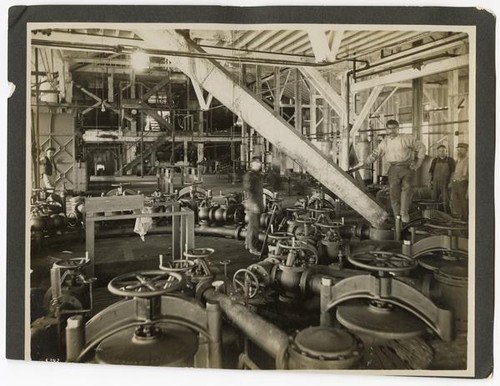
20, 16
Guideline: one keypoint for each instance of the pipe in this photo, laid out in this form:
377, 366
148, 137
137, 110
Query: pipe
267, 336
166, 53
441, 45
214, 322
75, 337
237, 233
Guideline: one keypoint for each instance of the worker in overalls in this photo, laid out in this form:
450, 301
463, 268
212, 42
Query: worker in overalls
460, 184
441, 169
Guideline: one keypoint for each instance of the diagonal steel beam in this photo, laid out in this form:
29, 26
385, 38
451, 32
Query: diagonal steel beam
328, 93
100, 101
150, 111
370, 101
204, 103
216, 80
155, 88
389, 96
157, 117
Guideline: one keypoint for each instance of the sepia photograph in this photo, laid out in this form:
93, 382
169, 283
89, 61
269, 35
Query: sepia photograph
251, 196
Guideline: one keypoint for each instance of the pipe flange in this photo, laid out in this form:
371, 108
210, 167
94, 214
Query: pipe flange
201, 288
304, 282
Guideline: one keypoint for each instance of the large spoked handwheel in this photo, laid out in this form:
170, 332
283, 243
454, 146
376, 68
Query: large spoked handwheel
180, 266
438, 224
332, 226
73, 263
245, 281
145, 284
452, 225
305, 251
321, 212
382, 261
196, 253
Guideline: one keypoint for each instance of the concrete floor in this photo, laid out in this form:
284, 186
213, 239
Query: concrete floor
120, 255
117, 256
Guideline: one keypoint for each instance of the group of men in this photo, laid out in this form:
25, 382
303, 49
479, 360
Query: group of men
405, 154
449, 180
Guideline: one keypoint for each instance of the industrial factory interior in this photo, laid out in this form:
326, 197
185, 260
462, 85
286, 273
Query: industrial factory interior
289, 197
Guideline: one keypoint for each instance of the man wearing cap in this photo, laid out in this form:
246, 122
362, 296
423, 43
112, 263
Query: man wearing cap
405, 155
49, 170
440, 172
254, 204
460, 183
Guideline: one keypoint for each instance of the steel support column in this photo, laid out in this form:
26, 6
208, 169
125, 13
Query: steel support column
215, 79
452, 110
418, 107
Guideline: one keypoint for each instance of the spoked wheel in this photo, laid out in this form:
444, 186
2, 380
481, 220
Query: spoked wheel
145, 284
73, 263
382, 261
245, 281
180, 266
305, 251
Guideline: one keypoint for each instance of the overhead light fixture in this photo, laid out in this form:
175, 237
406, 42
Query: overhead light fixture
103, 108
139, 60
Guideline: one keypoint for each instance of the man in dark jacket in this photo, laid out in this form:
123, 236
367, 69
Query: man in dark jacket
442, 167
49, 170
254, 204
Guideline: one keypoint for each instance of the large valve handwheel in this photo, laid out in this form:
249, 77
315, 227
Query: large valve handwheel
452, 225
332, 226
305, 229
306, 220
193, 190
145, 284
196, 253
274, 238
73, 263
321, 211
294, 211
180, 266
445, 225
246, 281
168, 197
382, 261
305, 251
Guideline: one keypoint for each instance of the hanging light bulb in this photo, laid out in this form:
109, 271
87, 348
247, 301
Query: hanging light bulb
103, 108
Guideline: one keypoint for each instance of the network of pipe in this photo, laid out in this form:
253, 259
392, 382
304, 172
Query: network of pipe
328, 291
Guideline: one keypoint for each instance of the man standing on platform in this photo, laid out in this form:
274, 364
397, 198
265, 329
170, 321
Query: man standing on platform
442, 167
405, 155
254, 204
460, 184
